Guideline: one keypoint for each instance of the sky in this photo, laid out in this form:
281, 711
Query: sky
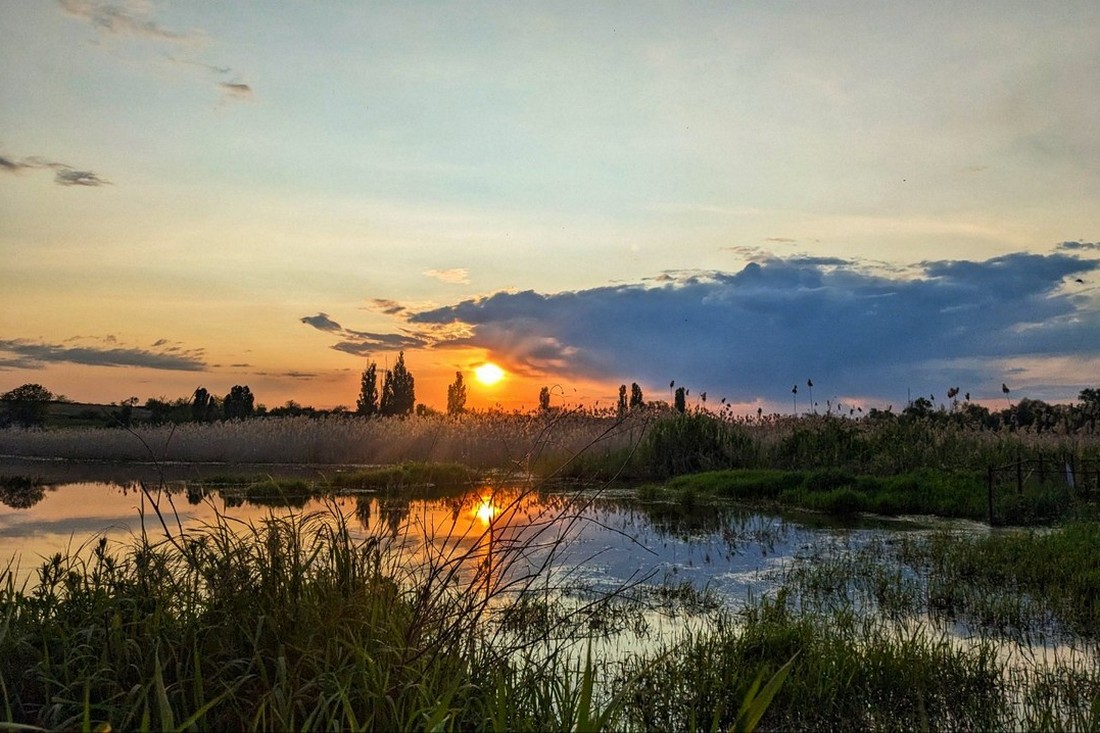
887, 199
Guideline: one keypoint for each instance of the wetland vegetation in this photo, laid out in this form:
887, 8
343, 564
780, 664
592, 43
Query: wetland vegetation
312, 615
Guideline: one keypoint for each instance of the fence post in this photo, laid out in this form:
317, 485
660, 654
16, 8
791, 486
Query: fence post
989, 492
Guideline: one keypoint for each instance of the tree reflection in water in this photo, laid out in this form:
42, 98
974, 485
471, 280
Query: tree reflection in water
21, 492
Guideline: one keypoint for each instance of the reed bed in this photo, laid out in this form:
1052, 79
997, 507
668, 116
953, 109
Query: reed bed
478, 441
644, 444
296, 622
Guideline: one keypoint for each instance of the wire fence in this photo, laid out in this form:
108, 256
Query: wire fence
1079, 476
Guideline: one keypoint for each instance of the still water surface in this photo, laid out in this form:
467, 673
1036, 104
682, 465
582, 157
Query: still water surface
592, 542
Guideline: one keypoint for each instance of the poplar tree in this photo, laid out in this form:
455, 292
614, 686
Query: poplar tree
367, 404
398, 390
456, 396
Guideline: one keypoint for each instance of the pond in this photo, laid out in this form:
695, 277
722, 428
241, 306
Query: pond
632, 577
587, 542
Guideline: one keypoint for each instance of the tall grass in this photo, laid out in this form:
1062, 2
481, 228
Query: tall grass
298, 621
479, 441
645, 444
846, 673
291, 623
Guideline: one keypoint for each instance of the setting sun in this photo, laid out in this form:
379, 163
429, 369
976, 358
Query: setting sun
489, 373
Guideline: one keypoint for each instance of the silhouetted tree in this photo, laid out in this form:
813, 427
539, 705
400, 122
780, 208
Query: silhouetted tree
367, 404
398, 390
544, 399
162, 411
1090, 399
27, 404
124, 415
636, 399
920, 407
456, 396
203, 405
622, 401
681, 400
239, 403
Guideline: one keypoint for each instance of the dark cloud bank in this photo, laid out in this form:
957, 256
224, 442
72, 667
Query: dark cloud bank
778, 322
23, 354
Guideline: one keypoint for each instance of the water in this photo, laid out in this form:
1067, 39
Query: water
592, 544
670, 562
584, 545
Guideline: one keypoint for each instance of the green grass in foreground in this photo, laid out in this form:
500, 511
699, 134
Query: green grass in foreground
289, 624
1051, 574
295, 624
847, 674
939, 492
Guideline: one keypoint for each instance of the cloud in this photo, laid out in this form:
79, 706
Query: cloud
14, 166
72, 177
129, 18
237, 91
134, 18
26, 354
780, 321
454, 276
65, 174
389, 307
322, 322
363, 343
292, 374
1079, 246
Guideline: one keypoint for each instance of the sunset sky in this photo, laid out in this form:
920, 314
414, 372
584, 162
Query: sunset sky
888, 198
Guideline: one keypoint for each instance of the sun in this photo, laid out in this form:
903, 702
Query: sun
489, 373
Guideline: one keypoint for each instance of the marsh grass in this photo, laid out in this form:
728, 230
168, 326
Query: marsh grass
502, 441
1025, 597
293, 622
845, 674
836, 491
1023, 580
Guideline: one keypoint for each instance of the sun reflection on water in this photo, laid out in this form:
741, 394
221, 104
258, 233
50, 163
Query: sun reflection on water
486, 509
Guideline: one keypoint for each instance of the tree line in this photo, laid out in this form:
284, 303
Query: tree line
29, 405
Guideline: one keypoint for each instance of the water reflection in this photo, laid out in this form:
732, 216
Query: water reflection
495, 537
21, 492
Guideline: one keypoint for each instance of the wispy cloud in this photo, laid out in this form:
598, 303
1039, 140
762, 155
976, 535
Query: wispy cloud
26, 354
1079, 246
291, 374
135, 19
64, 174
73, 177
363, 343
132, 18
454, 276
237, 91
389, 307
